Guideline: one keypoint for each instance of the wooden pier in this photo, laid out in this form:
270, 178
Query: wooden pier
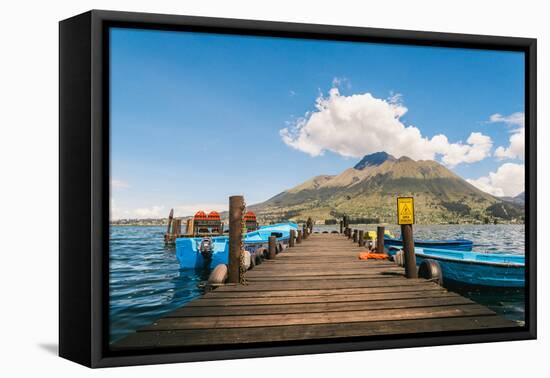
318, 289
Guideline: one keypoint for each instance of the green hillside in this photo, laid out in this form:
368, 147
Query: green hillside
370, 189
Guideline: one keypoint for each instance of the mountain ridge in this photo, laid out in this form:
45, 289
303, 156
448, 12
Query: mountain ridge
369, 190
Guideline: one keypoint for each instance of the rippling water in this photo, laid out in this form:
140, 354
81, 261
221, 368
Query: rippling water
146, 280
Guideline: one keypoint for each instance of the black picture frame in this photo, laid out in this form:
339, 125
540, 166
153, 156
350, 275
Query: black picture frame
84, 183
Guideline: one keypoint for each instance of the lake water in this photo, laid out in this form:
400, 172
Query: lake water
146, 280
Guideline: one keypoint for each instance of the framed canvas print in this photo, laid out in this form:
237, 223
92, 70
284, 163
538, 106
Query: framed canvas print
233, 188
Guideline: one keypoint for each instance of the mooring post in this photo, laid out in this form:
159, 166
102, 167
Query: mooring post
236, 208
176, 228
292, 238
272, 248
408, 249
341, 226
299, 238
170, 218
361, 238
380, 239
355, 236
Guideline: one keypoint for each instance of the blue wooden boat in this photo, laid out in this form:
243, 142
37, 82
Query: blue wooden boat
452, 244
196, 253
474, 268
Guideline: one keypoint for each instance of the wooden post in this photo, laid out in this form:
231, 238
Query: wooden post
173, 230
408, 249
380, 239
190, 227
292, 238
361, 238
170, 218
355, 236
349, 233
346, 221
272, 247
176, 228
299, 238
341, 226
304, 232
236, 208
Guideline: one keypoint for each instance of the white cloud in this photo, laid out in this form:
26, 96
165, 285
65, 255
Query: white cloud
119, 184
150, 212
339, 82
514, 119
161, 211
516, 147
359, 124
190, 209
508, 180
117, 212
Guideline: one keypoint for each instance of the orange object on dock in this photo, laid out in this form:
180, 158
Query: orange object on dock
373, 256
200, 215
250, 216
214, 215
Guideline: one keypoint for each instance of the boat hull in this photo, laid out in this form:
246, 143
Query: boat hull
476, 269
255, 242
455, 245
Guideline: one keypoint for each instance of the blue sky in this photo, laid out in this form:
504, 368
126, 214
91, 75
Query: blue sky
198, 117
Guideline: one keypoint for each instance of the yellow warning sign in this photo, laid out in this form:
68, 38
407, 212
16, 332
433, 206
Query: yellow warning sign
405, 210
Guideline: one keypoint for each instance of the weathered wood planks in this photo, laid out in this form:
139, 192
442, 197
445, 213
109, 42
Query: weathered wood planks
318, 289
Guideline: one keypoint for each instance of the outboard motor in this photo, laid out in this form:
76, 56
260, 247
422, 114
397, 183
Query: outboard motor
206, 248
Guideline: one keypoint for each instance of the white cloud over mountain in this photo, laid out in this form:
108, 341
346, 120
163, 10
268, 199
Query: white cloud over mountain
516, 147
359, 124
508, 180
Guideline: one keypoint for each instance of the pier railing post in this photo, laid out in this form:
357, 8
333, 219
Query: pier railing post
272, 247
341, 226
170, 219
380, 239
408, 249
299, 238
236, 208
292, 238
361, 238
355, 236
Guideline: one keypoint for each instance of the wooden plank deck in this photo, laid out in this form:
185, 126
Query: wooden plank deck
317, 290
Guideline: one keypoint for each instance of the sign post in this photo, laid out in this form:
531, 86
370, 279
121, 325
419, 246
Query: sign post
405, 218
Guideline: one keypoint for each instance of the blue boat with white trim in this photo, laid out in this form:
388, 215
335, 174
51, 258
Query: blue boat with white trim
201, 252
475, 268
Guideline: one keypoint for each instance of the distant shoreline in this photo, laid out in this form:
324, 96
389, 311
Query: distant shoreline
139, 224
